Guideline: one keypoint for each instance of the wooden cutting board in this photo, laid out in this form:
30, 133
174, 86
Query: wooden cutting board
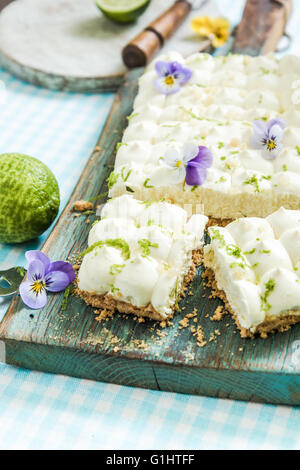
69, 45
122, 350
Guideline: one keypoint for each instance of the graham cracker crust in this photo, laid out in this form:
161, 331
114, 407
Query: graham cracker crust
108, 305
271, 325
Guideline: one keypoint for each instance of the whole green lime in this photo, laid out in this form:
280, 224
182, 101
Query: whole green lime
29, 197
122, 11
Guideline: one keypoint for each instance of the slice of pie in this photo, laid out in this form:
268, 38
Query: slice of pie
256, 263
140, 257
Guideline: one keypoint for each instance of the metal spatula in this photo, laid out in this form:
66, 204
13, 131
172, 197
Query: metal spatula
13, 278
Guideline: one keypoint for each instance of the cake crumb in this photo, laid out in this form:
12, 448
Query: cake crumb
103, 314
212, 337
200, 337
218, 313
193, 314
184, 323
190, 356
81, 206
215, 221
161, 334
234, 142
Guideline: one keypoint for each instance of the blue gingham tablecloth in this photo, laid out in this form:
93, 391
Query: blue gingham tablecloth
44, 411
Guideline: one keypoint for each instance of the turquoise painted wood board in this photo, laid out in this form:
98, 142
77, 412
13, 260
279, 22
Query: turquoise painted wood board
72, 342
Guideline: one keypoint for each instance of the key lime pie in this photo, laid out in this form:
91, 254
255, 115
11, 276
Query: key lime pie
140, 257
256, 263
219, 133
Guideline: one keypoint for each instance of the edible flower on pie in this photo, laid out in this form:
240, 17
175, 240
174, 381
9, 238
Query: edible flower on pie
267, 136
171, 76
189, 165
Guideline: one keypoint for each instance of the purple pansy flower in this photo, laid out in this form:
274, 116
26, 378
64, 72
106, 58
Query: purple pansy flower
171, 75
267, 136
196, 168
42, 275
189, 165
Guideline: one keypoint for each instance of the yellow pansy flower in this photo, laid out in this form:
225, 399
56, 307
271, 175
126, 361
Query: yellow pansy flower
216, 29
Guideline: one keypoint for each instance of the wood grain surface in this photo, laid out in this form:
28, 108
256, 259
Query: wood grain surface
57, 81
124, 351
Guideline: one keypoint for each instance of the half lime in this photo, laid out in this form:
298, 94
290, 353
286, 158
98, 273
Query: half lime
122, 11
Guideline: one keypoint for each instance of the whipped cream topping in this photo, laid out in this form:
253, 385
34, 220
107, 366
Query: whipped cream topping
256, 262
216, 108
139, 252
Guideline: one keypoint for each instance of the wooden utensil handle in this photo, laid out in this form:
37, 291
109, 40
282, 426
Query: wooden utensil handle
140, 50
4, 3
167, 23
